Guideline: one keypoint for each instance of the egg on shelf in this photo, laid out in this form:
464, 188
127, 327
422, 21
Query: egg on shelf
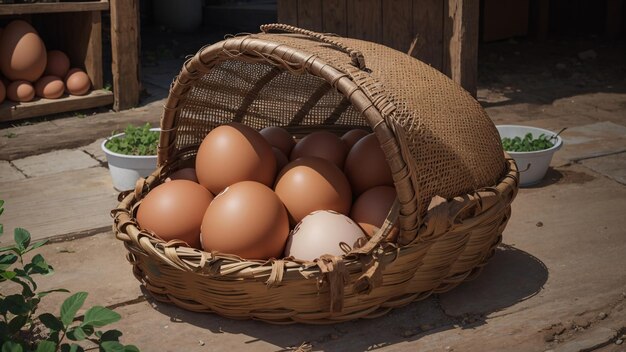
309, 184
58, 63
351, 137
321, 144
49, 87
248, 220
233, 153
22, 52
366, 165
279, 137
20, 91
372, 207
323, 232
174, 211
77, 82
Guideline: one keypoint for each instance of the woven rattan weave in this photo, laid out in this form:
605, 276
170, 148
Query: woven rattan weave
453, 181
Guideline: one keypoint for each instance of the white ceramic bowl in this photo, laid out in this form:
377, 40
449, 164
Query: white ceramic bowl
532, 165
127, 169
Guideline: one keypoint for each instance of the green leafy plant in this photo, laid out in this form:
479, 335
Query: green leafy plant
21, 329
136, 141
528, 143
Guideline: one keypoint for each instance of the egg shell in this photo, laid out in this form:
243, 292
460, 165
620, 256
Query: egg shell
188, 173
321, 144
3, 92
281, 159
320, 233
22, 52
174, 211
50, 87
248, 220
20, 91
233, 153
58, 63
279, 138
372, 207
77, 82
351, 137
309, 184
366, 166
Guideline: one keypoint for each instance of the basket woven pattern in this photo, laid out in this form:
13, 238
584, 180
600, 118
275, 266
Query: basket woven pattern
453, 181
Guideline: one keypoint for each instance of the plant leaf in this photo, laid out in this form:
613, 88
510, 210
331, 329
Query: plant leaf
23, 274
46, 346
8, 275
6, 260
112, 346
131, 348
73, 348
10, 346
22, 238
100, 316
51, 322
45, 293
110, 335
36, 245
17, 323
76, 334
16, 304
70, 306
38, 265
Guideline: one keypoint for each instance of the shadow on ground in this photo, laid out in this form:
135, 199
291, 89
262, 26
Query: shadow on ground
511, 276
541, 72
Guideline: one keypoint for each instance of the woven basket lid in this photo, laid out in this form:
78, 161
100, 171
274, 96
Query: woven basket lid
440, 135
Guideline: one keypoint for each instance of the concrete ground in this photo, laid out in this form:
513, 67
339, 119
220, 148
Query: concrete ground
557, 283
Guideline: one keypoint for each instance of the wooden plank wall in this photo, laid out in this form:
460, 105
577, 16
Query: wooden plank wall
442, 33
125, 48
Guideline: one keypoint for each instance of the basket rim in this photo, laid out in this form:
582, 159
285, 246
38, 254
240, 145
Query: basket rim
177, 254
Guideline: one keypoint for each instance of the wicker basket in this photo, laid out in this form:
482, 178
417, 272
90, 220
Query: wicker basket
453, 181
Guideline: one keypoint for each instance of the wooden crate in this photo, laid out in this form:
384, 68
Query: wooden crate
75, 28
442, 33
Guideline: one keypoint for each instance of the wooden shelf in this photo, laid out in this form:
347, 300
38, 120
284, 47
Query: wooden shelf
11, 111
49, 7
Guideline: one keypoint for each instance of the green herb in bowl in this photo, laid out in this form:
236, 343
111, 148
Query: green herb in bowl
135, 141
527, 144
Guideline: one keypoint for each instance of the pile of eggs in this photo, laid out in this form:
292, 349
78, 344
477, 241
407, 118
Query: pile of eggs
29, 70
262, 194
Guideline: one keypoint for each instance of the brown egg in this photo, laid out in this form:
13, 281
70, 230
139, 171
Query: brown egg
20, 91
58, 64
77, 82
321, 232
233, 153
279, 138
174, 210
281, 159
309, 184
247, 220
22, 52
366, 165
3, 92
50, 87
323, 145
351, 137
371, 208
188, 173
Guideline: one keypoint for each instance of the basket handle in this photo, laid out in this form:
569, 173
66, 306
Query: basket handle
357, 58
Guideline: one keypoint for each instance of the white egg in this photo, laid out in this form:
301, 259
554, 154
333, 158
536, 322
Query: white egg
322, 232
